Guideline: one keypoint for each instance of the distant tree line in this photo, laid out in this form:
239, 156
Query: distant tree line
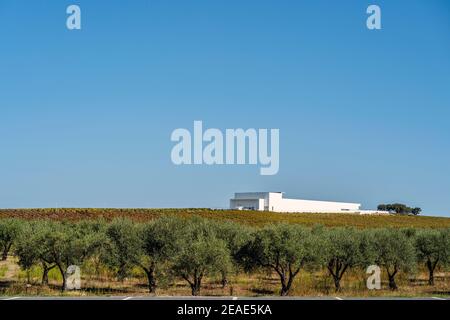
399, 208
196, 248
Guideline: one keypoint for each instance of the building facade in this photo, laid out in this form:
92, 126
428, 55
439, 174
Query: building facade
274, 201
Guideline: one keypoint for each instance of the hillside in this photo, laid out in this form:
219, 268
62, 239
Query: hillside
254, 218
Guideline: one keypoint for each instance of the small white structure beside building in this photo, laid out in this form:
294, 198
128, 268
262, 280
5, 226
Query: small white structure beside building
274, 201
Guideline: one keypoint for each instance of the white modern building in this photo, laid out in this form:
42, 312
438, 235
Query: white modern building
274, 201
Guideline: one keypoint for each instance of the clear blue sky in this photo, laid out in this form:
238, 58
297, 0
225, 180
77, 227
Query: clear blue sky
86, 116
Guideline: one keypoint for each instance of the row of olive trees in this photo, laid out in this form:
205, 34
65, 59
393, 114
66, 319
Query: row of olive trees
195, 248
190, 249
286, 249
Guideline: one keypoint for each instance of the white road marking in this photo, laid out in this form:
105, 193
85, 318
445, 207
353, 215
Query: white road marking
438, 298
127, 298
12, 298
339, 298
235, 298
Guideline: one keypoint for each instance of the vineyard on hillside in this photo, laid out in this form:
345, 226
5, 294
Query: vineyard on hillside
253, 218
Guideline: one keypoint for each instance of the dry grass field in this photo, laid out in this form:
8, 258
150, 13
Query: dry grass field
102, 282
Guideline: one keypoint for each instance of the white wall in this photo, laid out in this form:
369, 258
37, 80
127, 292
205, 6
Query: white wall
293, 205
273, 201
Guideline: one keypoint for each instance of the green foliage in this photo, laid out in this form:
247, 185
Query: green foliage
160, 242
9, 231
284, 249
235, 236
433, 249
343, 248
161, 237
31, 249
394, 251
195, 248
3, 270
200, 253
28, 247
123, 247
399, 208
64, 244
52, 244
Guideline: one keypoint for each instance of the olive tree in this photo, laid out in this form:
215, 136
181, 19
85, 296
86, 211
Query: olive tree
200, 253
30, 251
282, 248
123, 247
160, 241
57, 245
343, 249
9, 231
394, 251
64, 244
235, 236
433, 249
